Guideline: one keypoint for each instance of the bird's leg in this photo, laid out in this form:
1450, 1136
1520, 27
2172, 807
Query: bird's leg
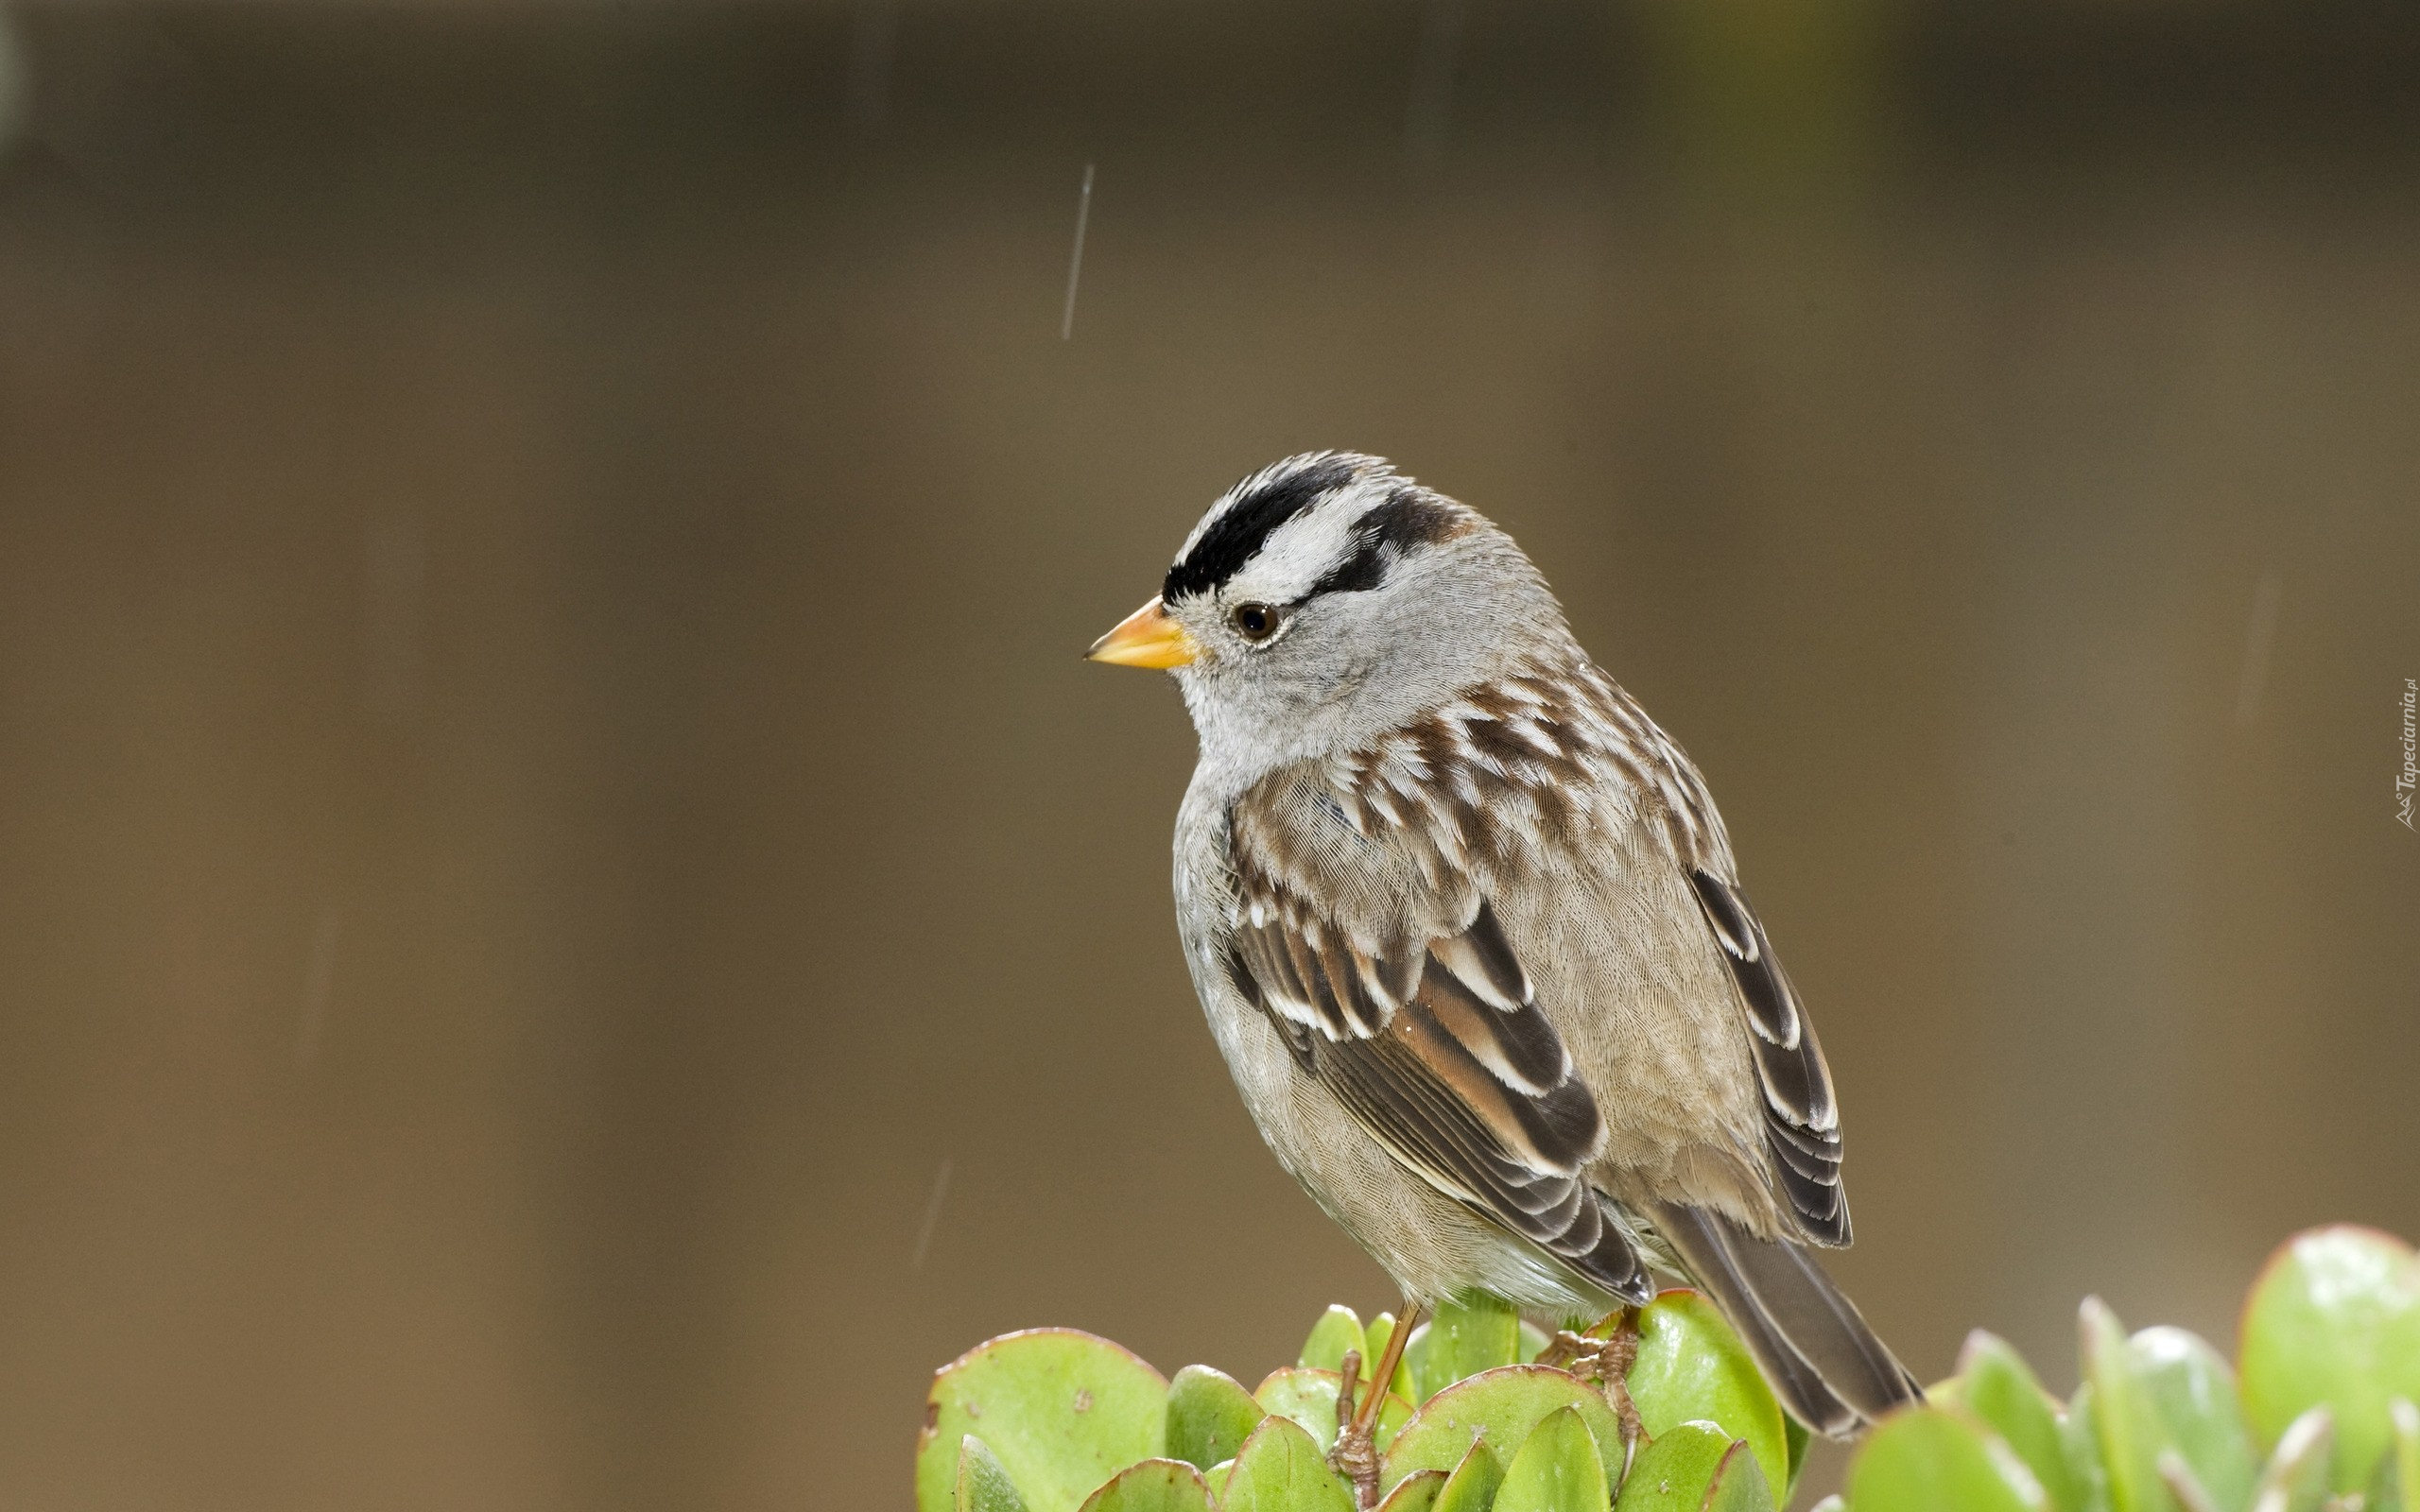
1355, 1455
1348, 1373
1607, 1362
1612, 1373
1388, 1359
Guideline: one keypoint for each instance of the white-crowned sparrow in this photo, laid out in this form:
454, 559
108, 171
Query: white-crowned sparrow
1468, 931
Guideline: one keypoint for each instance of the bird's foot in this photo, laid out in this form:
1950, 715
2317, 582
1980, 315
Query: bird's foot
1355, 1454
1605, 1362
1573, 1353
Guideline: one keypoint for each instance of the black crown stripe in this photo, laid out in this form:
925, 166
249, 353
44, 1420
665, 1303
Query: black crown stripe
1236, 536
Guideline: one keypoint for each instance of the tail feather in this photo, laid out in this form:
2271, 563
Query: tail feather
1817, 1353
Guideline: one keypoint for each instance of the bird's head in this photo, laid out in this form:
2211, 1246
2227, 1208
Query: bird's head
1327, 598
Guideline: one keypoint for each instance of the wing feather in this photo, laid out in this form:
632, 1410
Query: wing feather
1802, 1120
1439, 1048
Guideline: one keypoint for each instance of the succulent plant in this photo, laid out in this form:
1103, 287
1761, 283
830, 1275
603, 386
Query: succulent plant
2317, 1415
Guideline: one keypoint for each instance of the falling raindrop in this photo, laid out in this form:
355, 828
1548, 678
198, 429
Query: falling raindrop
1075, 262
932, 1215
2257, 638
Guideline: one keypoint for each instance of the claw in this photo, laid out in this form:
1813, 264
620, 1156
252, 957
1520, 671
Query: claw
1605, 1362
1356, 1458
1574, 1353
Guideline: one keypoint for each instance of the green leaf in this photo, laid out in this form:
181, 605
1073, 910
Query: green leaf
1209, 1415
2405, 1415
2192, 1393
1470, 1333
1500, 1408
1153, 1485
2295, 1478
2184, 1489
2396, 1485
1472, 1487
1609, 1325
2334, 1318
1338, 1331
1415, 1493
1406, 1384
1425, 1357
1282, 1469
1997, 1385
2403, 1463
1739, 1485
1924, 1459
1692, 1368
1556, 1469
1216, 1478
1696, 1468
1674, 1469
1533, 1343
2077, 1431
1797, 1439
2164, 1415
983, 1483
1061, 1410
2125, 1421
1307, 1398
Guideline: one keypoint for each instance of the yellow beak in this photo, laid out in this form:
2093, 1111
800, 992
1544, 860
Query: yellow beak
1147, 638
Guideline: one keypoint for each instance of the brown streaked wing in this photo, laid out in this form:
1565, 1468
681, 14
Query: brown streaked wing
1429, 1088
1335, 992
1447, 1060
1802, 1120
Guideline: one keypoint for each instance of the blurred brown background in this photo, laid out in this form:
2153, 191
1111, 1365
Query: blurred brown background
571, 924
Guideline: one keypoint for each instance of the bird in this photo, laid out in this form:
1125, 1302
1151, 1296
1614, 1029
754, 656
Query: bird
1470, 936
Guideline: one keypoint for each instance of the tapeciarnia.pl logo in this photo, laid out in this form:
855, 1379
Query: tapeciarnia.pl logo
2405, 779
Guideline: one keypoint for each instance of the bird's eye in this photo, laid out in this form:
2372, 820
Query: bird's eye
1253, 622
